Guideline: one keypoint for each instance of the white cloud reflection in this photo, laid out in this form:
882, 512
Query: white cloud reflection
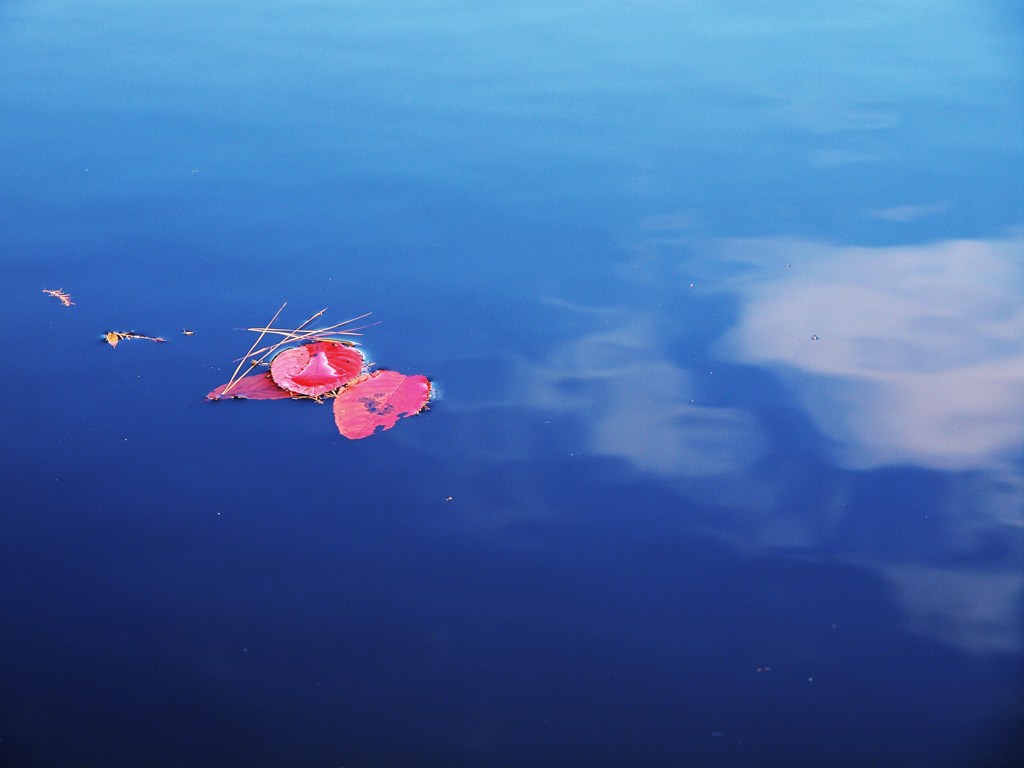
638, 404
919, 361
975, 610
905, 213
908, 355
919, 355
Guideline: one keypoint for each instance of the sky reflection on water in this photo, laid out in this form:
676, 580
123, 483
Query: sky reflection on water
724, 304
918, 352
907, 361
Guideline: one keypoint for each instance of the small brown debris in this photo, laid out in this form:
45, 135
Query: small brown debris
60, 295
113, 337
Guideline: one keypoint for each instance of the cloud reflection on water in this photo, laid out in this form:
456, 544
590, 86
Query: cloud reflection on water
639, 405
919, 361
919, 355
908, 356
973, 609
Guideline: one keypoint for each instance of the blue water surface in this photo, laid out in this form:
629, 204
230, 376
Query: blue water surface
723, 304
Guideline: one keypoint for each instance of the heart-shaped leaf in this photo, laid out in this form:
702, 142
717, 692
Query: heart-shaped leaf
378, 400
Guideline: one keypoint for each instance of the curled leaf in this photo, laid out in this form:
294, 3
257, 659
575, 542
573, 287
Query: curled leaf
378, 400
290, 335
317, 368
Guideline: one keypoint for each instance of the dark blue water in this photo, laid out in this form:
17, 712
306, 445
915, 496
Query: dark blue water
723, 302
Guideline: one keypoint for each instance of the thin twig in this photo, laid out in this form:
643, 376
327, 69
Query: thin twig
290, 337
311, 336
286, 331
232, 381
316, 335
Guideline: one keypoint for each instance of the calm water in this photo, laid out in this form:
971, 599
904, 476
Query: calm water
723, 301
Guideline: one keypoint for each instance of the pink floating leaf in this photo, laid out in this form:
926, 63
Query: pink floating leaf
260, 387
317, 368
379, 400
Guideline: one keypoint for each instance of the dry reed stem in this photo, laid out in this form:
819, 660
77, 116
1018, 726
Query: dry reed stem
233, 380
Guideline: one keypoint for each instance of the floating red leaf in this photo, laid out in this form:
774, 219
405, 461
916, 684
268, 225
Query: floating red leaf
317, 368
260, 387
379, 400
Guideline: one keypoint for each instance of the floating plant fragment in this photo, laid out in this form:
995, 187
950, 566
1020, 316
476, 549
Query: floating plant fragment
64, 298
317, 368
260, 387
256, 357
325, 366
379, 400
113, 337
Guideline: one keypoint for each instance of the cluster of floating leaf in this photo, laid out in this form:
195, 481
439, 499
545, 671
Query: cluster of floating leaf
326, 366
322, 366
